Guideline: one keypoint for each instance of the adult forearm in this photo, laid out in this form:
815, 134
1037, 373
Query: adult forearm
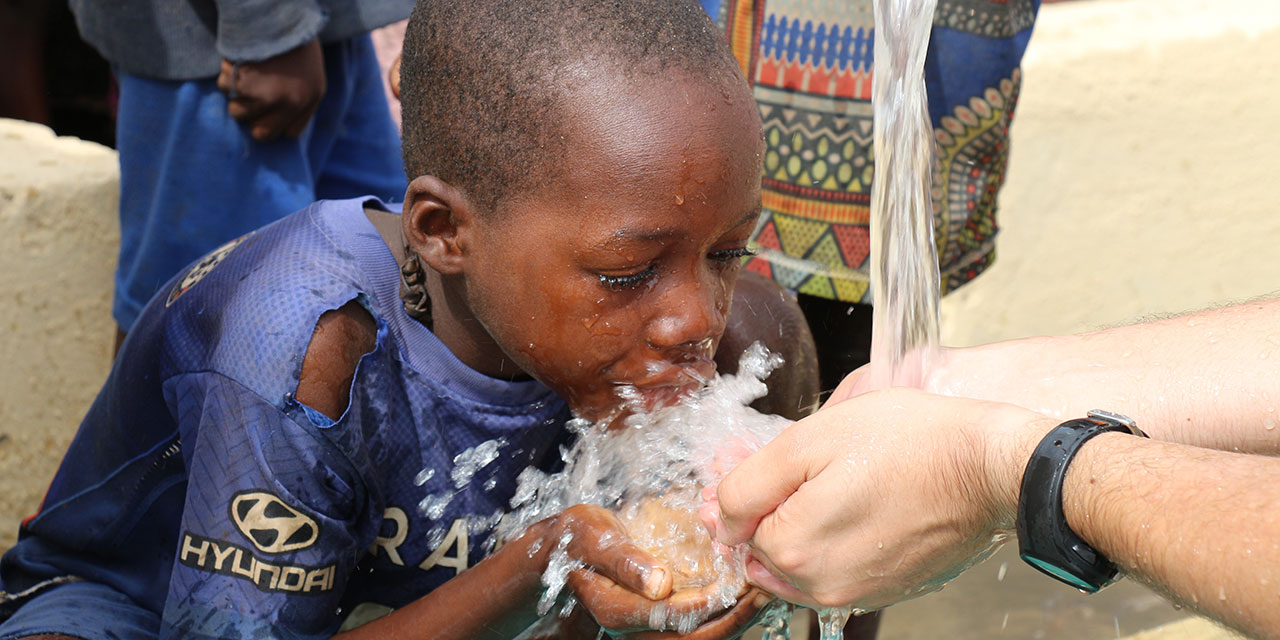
1202, 526
1210, 379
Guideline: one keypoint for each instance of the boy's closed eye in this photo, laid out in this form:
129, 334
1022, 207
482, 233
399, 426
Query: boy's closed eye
628, 281
728, 255
619, 282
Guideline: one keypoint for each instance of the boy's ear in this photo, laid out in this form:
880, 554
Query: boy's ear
438, 222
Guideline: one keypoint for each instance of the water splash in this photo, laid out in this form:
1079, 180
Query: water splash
467, 463
651, 472
559, 567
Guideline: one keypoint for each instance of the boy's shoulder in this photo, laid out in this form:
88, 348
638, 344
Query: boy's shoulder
248, 309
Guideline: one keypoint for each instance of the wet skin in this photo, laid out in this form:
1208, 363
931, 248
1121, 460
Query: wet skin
619, 271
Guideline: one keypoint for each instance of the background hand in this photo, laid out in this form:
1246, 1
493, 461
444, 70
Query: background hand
276, 96
874, 500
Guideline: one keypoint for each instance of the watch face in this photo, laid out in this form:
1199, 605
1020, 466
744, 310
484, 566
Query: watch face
1060, 573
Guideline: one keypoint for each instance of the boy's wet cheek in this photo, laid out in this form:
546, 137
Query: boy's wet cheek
597, 327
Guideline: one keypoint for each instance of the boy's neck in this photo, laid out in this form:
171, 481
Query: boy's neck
451, 319
463, 333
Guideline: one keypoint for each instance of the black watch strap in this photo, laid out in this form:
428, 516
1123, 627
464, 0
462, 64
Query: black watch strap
1044, 539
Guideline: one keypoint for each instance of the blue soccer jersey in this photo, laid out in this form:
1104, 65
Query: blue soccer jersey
201, 490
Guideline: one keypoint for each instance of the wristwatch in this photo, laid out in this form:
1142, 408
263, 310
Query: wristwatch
1044, 539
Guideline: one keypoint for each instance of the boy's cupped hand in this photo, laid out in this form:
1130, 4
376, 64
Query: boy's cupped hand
626, 589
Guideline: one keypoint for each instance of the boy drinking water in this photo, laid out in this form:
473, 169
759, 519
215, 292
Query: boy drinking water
330, 411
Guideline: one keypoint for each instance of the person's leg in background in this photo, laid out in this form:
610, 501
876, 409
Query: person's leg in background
361, 155
193, 179
842, 333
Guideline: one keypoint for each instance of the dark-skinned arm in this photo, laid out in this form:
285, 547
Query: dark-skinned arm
497, 598
763, 311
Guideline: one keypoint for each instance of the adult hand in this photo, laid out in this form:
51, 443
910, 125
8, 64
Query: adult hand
878, 498
626, 590
854, 384
277, 96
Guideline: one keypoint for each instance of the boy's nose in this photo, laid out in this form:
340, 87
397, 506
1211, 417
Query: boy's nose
693, 313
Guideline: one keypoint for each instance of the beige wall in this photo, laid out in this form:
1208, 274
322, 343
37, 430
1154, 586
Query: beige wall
1145, 156
58, 241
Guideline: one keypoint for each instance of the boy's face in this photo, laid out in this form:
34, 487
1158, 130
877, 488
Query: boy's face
621, 271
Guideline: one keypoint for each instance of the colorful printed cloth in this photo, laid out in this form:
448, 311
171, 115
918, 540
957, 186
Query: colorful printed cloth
810, 62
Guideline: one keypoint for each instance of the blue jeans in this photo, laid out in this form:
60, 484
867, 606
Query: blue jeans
192, 178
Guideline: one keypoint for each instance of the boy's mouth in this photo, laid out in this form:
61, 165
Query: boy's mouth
666, 383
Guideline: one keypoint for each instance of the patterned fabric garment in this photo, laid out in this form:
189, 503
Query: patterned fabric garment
810, 62
221, 507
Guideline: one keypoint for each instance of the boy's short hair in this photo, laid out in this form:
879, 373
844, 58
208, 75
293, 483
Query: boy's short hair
483, 89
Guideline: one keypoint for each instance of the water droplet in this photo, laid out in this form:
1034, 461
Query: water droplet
679, 199
1004, 567
473, 459
423, 476
880, 545
433, 506
1222, 593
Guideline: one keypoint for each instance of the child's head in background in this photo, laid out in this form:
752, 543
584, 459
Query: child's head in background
585, 177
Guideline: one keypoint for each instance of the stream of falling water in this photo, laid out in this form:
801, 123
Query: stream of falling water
904, 261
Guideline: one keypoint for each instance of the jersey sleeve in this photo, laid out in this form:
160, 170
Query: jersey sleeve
275, 517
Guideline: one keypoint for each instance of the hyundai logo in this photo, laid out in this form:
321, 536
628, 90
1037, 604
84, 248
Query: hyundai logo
270, 524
